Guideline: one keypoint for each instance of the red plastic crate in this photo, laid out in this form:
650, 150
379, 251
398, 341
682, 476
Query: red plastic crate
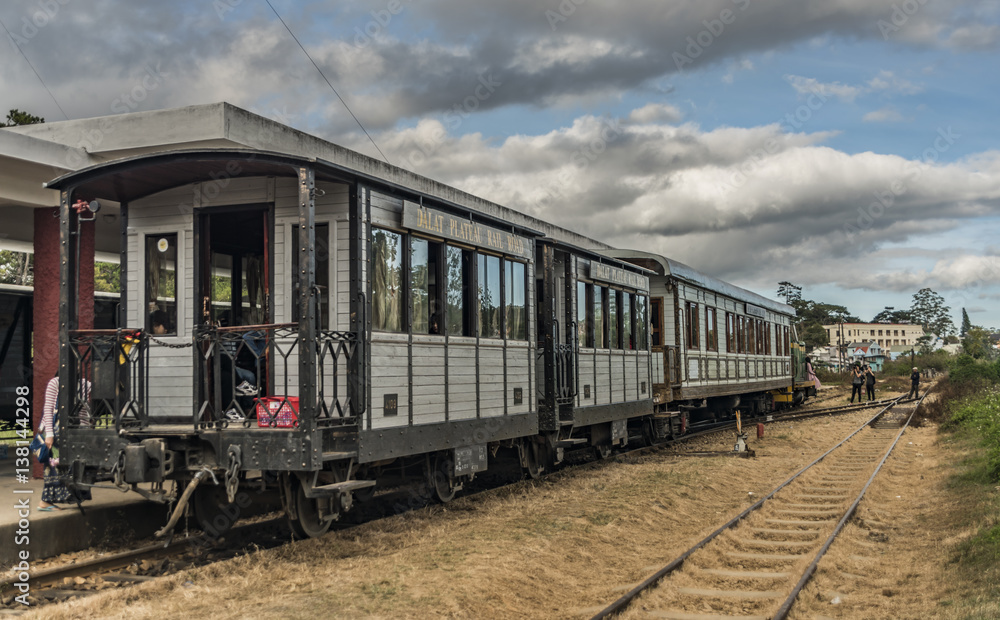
284, 411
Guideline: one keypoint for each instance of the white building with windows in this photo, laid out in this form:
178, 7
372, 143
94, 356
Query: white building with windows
890, 337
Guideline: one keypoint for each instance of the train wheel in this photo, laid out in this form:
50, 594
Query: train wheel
212, 510
532, 459
440, 478
307, 522
648, 432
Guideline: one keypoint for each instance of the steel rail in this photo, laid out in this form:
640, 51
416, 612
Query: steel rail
56, 574
811, 569
626, 599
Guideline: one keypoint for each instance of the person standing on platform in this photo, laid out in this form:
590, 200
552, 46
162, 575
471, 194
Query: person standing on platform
53, 490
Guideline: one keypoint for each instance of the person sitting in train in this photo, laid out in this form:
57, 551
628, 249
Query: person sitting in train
159, 322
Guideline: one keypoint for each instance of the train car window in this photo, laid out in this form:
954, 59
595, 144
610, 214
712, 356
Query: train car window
693, 320
489, 296
751, 336
628, 320
741, 342
600, 324
388, 293
784, 335
322, 254
458, 265
161, 284
656, 320
514, 301
614, 318
767, 340
423, 266
711, 329
581, 315
730, 333
642, 323
760, 336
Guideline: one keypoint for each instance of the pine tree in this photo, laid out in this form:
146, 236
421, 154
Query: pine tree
966, 323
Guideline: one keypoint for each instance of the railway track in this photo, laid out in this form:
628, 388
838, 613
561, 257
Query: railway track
755, 565
86, 577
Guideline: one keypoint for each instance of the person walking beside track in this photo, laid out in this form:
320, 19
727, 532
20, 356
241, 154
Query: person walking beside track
857, 380
914, 383
870, 382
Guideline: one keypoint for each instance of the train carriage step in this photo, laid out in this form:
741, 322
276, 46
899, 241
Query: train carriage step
339, 488
569, 443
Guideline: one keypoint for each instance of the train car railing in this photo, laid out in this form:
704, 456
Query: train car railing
248, 376
239, 366
112, 367
335, 351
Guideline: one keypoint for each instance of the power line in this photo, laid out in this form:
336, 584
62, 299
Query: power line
327, 81
54, 100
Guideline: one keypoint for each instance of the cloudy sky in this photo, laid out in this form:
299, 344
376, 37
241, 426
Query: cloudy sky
848, 146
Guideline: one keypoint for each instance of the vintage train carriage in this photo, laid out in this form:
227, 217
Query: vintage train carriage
595, 370
716, 347
291, 315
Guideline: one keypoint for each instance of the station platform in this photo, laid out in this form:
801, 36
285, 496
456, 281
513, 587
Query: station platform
112, 516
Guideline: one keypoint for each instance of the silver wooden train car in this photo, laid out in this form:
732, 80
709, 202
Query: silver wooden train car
323, 323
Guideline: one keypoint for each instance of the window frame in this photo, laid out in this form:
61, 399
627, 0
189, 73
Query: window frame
730, 332
711, 328
691, 325
508, 296
600, 299
180, 299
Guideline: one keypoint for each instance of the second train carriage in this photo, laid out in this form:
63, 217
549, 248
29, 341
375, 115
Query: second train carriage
304, 318
717, 348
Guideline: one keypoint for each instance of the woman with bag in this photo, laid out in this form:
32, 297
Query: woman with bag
53, 490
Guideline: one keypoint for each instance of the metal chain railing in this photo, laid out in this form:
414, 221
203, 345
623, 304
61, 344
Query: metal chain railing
183, 345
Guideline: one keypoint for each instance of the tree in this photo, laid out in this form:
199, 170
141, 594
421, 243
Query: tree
977, 343
929, 310
966, 323
924, 344
893, 316
822, 313
790, 292
17, 117
814, 336
107, 277
16, 268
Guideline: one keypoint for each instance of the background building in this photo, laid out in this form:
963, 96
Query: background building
891, 337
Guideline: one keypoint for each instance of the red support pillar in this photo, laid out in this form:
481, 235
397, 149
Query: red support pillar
46, 302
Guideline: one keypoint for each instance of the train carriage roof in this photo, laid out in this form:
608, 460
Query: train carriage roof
668, 267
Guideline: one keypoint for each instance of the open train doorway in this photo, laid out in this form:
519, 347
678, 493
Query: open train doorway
233, 280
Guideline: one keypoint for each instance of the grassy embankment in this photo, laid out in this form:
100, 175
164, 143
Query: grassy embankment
968, 409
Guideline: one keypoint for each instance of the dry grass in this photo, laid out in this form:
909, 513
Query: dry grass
560, 547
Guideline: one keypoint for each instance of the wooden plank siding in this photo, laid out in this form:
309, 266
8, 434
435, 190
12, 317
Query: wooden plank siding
702, 368
171, 370
452, 378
